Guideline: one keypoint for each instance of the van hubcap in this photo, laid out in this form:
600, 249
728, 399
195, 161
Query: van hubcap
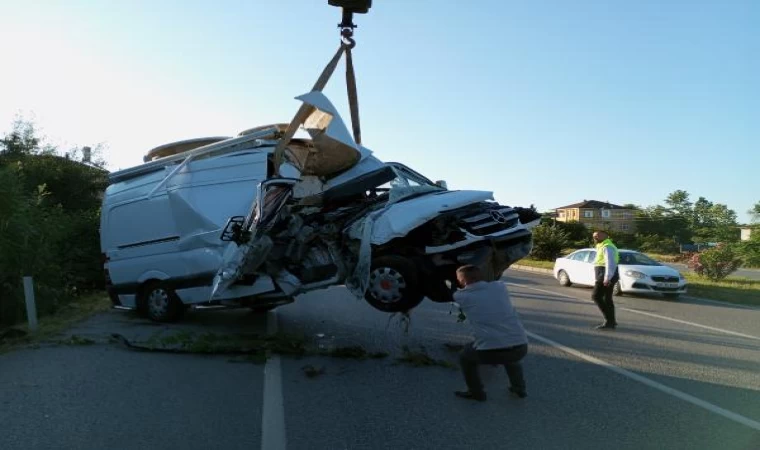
158, 302
385, 284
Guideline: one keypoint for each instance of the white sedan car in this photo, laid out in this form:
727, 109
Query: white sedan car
639, 274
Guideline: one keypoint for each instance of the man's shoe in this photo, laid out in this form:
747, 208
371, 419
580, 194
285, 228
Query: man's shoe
515, 392
606, 326
481, 396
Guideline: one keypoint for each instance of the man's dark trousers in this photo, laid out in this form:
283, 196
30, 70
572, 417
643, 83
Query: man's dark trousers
602, 295
508, 357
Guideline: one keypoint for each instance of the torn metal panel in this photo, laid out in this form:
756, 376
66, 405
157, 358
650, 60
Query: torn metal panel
402, 217
336, 149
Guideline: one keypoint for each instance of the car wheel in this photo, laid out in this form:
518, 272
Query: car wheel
393, 284
671, 296
617, 290
160, 303
564, 279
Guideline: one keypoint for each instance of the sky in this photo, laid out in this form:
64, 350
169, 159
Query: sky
546, 102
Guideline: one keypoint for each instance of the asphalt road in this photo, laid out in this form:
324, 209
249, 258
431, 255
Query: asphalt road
752, 274
675, 374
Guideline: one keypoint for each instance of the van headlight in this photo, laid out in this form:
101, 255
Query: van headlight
635, 274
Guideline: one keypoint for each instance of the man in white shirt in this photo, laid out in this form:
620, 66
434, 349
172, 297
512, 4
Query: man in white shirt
500, 338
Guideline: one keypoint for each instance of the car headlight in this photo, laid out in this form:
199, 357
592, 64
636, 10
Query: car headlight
635, 274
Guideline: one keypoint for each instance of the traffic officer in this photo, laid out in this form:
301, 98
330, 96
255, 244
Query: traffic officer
605, 276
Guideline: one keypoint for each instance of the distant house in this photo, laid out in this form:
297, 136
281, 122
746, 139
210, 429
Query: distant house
597, 214
746, 232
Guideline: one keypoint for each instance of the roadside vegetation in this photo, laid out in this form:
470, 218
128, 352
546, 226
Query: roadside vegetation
659, 228
49, 220
51, 325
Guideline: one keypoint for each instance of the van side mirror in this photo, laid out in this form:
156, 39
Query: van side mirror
442, 184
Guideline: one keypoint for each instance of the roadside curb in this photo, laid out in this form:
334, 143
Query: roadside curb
531, 269
550, 272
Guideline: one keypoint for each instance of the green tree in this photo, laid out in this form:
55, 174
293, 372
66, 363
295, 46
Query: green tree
715, 223
49, 221
679, 204
754, 212
577, 233
726, 226
660, 221
22, 140
548, 242
702, 217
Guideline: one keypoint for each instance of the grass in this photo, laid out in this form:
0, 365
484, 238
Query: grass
664, 258
530, 262
52, 325
743, 291
254, 347
422, 359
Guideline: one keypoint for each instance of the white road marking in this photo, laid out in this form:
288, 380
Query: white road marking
273, 411
651, 383
658, 316
720, 303
720, 330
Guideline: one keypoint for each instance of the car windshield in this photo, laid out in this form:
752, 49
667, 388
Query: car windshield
406, 177
637, 259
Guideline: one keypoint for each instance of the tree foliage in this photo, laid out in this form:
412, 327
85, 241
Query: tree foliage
754, 212
716, 263
684, 222
49, 220
549, 241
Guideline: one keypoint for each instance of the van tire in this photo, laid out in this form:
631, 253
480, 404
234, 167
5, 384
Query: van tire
159, 302
393, 275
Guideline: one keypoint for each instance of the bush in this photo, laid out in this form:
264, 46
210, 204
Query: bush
749, 251
716, 263
653, 243
548, 242
39, 237
577, 233
625, 240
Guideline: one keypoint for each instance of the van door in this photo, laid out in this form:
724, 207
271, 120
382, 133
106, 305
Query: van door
248, 245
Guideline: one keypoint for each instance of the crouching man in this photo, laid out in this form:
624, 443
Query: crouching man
500, 338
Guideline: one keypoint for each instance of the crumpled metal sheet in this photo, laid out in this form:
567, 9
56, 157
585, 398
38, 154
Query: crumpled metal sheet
332, 149
235, 262
358, 281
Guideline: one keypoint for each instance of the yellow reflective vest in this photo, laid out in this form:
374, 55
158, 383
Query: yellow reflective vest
599, 261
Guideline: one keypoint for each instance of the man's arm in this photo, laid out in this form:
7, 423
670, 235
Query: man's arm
458, 296
609, 264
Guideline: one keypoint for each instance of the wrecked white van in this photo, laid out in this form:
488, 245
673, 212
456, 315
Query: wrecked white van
211, 222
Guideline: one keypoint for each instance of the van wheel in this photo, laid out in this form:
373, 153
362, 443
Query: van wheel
160, 303
393, 284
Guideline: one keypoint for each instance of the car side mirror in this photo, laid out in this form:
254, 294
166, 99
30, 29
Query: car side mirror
442, 184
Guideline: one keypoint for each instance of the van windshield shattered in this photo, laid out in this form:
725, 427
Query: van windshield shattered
406, 177
408, 184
